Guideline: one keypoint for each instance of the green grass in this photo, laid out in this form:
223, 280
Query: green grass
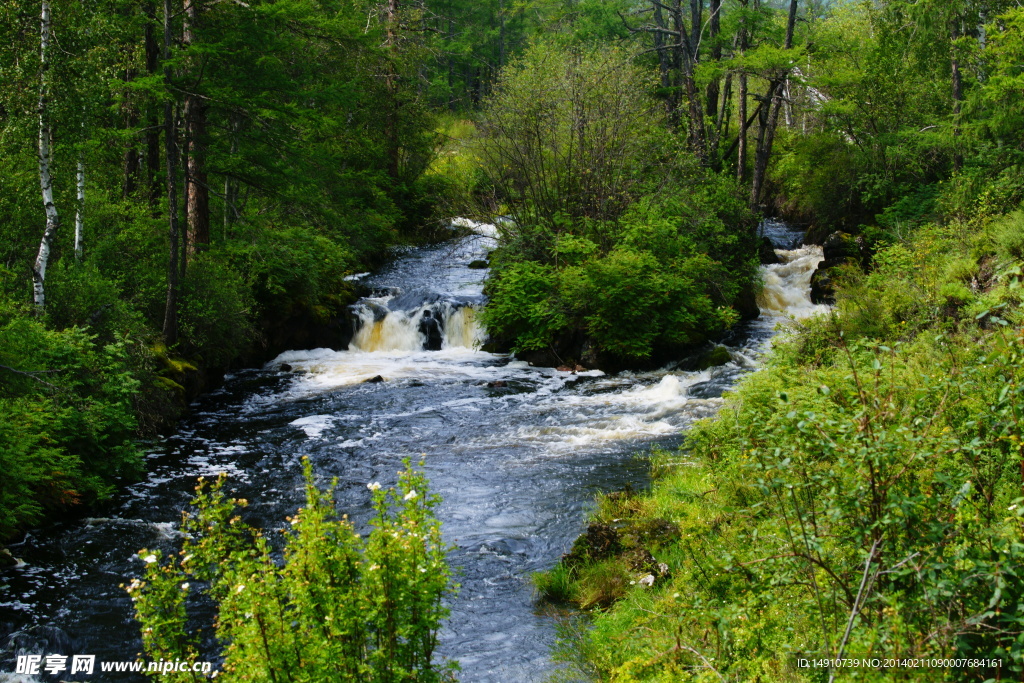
881, 445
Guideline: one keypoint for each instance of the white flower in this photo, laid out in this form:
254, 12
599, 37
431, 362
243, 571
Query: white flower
184, 586
412, 494
240, 588
149, 559
373, 486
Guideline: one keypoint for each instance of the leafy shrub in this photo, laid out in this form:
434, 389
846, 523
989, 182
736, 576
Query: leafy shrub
859, 495
79, 295
524, 305
1008, 235
66, 418
339, 607
216, 311
292, 270
570, 132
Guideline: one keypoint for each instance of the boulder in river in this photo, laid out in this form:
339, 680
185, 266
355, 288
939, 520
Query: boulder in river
376, 379
478, 264
6, 559
766, 252
713, 357
839, 249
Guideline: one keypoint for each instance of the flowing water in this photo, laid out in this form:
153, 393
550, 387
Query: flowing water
516, 452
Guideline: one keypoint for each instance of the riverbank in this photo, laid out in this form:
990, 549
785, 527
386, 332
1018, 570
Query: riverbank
858, 496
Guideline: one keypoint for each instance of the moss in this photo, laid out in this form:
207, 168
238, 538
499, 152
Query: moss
719, 355
170, 386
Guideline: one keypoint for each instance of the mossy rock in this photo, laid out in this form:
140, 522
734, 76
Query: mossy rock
171, 366
478, 264
719, 355
600, 542
170, 386
656, 531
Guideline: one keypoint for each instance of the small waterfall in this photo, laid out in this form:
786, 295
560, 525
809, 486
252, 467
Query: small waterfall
787, 285
429, 327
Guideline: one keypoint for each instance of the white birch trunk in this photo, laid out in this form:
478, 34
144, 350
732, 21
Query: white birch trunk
80, 210
45, 158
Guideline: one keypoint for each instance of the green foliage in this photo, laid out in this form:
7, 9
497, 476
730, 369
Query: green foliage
523, 302
216, 312
860, 495
294, 270
614, 236
569, 133
339, 607
67, 418
78, 295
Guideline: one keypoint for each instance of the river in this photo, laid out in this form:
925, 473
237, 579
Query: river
517, 453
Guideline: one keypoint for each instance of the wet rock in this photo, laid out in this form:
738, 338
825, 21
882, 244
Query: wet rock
841, 246
746, 303
6, 559
822, 289
571, 368
655, 531
285, 367
430, 328
376, 379
600, 542
713, 357
816, 234
840, 249
706, 390
640, 560
478, 264
498, 384
766, 252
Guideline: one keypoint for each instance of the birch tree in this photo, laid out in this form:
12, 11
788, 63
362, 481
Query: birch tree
45, 161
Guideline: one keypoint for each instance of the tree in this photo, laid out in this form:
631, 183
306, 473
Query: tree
45, 160
569, 134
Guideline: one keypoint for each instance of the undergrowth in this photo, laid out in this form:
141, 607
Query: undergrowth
859, 497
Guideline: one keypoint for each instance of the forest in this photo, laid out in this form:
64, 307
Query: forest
191, 187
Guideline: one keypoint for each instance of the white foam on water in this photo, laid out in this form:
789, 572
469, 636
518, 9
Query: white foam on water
314, 425
787, 284
485, 229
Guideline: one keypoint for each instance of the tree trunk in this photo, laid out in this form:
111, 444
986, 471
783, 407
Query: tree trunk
230, 184
80, 209
769, 117
132, 158
741, 151
197, 193
153, 119
958, 96
391, 134
697, 136
170, 138
45, 159
716, 56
